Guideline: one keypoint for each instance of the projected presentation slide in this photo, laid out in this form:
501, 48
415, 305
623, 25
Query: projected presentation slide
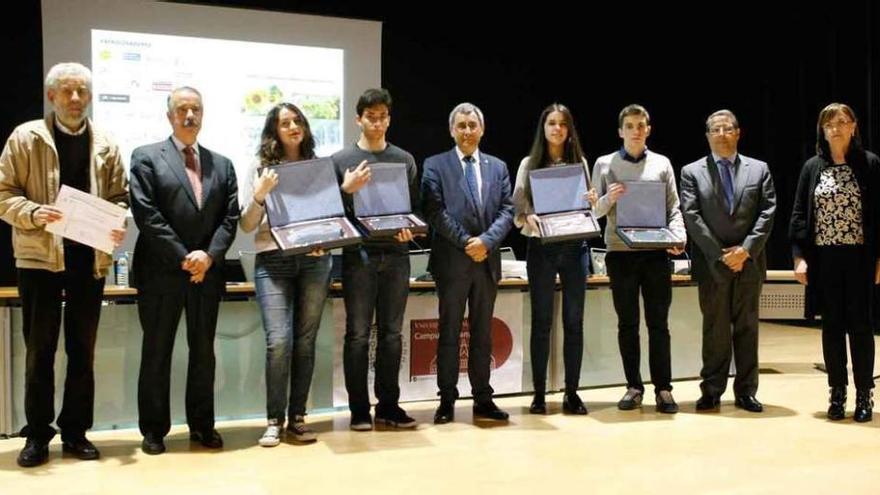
240, 81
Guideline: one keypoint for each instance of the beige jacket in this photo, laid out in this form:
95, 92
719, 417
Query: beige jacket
30, 177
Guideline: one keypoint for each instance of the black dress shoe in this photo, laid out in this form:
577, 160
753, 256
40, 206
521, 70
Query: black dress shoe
539, 405
81, 448
572, 404
749, 403
864, 406
708, 403
153, 445
34, 453
630, 400
665, 402
837, 403
488, 410
445, 413
208, 438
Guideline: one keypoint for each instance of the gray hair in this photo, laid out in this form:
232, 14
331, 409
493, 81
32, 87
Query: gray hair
67, 70
181, 89
722, 113
467, 109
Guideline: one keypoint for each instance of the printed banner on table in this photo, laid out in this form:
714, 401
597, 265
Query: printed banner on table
419, 338
425, 337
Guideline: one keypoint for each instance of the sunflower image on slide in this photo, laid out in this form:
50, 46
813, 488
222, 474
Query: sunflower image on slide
259, 101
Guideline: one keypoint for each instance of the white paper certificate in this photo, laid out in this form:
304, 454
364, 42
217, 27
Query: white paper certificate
87, 219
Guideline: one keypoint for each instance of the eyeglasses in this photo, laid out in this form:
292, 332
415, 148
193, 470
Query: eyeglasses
717, 131
837, 124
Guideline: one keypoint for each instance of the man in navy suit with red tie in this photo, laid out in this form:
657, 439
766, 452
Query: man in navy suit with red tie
467, 201
184, 201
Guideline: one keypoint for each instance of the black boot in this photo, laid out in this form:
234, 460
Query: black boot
864, 406
572, 404
539, 404
837, 403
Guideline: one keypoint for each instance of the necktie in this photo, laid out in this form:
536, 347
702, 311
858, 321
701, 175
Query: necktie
470, 173
193, 173
726, 173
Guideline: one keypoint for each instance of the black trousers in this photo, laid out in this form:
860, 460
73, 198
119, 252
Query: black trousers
476, 290
41, 296
845, 311
649, 272
160, 315
730, 330
569, 260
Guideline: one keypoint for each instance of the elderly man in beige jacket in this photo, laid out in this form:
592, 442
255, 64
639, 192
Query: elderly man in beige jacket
40, 156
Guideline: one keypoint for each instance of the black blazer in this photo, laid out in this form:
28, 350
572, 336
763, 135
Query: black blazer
170, 222
802, 232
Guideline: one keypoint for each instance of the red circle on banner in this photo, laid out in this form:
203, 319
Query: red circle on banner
502, 342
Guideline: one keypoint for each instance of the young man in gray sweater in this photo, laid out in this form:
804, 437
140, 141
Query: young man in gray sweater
630, 270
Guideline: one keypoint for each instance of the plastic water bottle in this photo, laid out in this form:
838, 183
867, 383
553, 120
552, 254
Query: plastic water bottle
122, 270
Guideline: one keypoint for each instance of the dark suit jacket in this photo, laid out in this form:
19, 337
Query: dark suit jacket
712, 228
454, 218
170, 222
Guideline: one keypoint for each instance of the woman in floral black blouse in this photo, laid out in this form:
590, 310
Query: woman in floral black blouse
837, 254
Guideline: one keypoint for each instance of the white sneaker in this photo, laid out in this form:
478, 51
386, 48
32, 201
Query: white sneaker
272, 437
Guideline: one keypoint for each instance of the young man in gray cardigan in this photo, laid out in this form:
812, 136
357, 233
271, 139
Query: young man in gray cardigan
631, 271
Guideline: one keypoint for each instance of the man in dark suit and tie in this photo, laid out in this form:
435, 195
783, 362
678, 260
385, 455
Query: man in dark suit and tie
467, 201
729, 201
184, 201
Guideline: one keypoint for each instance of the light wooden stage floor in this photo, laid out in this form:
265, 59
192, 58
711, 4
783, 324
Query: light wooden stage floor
789, 449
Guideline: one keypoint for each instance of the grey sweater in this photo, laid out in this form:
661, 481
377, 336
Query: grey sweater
350, 157
654, 167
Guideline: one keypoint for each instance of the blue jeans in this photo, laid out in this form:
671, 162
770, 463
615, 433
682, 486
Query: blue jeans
291, 291
544, 261
373, 281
